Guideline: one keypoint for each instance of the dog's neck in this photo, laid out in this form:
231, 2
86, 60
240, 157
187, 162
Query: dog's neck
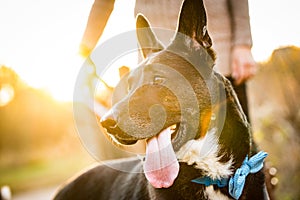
226, 143
235, 138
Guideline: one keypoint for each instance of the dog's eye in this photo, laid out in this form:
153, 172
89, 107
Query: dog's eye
158, 80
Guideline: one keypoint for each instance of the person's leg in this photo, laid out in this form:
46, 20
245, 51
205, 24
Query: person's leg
241, 91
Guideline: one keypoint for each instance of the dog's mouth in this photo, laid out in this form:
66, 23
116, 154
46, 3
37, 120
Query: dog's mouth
161, 167
121, 137
117, 134
174, 130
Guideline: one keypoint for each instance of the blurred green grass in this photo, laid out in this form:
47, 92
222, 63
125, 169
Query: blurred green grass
43, 173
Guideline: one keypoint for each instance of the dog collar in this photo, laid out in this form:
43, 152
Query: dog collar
237, 181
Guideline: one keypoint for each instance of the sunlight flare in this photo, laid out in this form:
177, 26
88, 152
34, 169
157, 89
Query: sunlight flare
7, 94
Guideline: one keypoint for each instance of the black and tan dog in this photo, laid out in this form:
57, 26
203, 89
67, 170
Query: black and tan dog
198, 139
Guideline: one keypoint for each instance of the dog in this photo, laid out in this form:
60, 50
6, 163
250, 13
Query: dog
199, 144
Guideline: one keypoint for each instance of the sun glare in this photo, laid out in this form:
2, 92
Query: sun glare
7, 94
112, 75
40, 40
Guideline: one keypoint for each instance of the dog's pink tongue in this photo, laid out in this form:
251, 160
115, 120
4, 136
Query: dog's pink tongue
161, 166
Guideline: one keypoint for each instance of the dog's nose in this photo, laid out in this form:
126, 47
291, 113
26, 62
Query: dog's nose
108, 121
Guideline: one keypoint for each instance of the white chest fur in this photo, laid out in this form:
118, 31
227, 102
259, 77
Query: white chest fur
203, 153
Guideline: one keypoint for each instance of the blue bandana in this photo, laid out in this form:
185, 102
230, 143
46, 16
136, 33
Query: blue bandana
237, 181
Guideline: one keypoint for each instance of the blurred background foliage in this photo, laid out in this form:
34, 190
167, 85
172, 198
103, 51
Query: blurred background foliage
274, 95
38, 141
39, 145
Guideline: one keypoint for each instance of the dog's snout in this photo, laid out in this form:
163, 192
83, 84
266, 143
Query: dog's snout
108, 121
111, 125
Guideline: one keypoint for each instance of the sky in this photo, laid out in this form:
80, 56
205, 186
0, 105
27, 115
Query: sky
39, 39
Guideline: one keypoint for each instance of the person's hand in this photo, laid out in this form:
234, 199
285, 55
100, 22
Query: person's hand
243, 64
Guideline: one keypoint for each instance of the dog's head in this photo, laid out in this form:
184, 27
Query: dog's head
166, 99
167, 84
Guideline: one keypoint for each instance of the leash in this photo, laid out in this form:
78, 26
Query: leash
236, 183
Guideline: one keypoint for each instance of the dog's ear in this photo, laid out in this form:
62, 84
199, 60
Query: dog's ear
146, 38
192, 22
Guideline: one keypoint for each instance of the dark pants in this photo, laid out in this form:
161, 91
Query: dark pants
241, 91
